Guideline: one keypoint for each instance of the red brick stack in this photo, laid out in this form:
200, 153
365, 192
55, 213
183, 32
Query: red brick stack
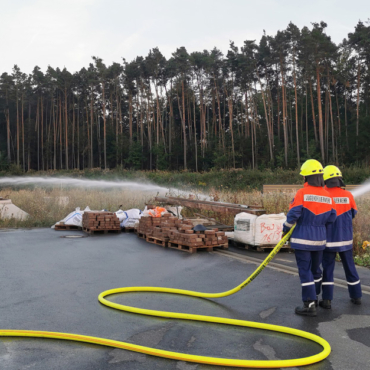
145, 226
179, 232
158, 227
208, 238
100, 221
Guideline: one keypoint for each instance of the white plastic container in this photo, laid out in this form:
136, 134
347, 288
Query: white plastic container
244, 228
268, 229
261, 230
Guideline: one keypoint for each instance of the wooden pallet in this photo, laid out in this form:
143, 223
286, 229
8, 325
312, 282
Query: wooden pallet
185, 248
67, 227
128, 230
141, 235
161, 242
92, 232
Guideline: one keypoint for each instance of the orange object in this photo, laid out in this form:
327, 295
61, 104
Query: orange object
157, 211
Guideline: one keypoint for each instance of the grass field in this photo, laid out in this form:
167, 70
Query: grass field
47, 206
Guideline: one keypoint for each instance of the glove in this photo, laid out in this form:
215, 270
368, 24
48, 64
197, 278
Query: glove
283, 234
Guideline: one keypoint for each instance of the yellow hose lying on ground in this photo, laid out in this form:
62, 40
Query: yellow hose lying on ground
182, 356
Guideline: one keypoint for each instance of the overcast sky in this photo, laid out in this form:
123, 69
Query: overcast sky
67, 33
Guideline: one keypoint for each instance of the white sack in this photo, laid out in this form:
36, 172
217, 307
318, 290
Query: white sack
9, 210
74, 218
129, 218
175, 210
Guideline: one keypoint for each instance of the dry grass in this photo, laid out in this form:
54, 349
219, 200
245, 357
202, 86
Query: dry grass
46, 207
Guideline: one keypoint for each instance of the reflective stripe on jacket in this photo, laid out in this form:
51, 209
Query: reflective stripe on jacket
339, 235
311, 209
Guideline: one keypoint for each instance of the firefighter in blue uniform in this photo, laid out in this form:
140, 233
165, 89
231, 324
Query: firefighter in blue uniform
339, 237
311, 210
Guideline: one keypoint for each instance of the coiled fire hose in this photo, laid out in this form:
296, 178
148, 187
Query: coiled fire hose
184, 316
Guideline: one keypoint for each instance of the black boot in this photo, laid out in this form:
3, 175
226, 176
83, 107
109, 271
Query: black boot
356, 301
325, 303
308, 309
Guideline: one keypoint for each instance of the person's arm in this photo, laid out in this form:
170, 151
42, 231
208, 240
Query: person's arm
295, 212
353, 205
333, 213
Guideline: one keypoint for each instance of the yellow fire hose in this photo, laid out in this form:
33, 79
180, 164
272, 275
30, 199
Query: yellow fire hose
182, 356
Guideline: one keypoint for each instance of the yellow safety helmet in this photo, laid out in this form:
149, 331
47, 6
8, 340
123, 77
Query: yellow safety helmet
331, 171
311, 167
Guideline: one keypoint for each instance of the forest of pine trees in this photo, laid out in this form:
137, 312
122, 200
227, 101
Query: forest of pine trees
276, 102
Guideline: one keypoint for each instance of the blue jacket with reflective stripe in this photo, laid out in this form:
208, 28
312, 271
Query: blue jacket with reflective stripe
340, 233
311, 210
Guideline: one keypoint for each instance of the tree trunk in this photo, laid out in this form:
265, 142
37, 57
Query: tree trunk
358, 101
321, 130
60, 134
230, 105
130, 115
73, 134
98, 136
296, 109
38, 134
313, 112
117, 124
246, 115
195, 138
284, 112
23, 154
91, 130
105, 127
183, 121
331, 117
42, 132
267, 120
149, 135
54, 137
220, 128
78, 134
17, 126
338, 113
66, 128
308, 153
169, 101
29, 131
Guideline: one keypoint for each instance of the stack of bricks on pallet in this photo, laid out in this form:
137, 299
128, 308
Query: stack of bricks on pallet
158, 227
208, 238
95, 221
180, 232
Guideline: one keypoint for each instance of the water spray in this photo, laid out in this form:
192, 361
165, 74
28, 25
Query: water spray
82, 183
361, 190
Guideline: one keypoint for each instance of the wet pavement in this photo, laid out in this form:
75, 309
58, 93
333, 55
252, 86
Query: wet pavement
52, 283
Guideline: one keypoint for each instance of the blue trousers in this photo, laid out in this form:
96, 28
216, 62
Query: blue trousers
310, 273
353, 280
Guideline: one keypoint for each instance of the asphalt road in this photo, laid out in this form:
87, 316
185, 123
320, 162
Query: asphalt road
52, 283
